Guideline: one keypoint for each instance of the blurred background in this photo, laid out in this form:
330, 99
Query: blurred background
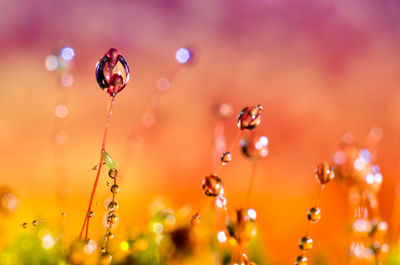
319, 68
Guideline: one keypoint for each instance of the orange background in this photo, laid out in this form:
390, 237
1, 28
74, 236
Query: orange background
318, 68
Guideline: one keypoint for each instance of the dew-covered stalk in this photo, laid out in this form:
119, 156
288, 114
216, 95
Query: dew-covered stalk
240, 219
112, 75
102, 152
324, 173
112, 208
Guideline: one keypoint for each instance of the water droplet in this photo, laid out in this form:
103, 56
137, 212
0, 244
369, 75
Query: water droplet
252, 214
324, 173
95, 167
63, 214
35, 222
112, 218
241, 226
113, 173
244, 260
91, 214
249, 117
114, 189
108, 160
24, 225
314, 214
102, 250
109, 235
301, 260
222, 237
195, 219
112, 72
112, 206
105, 259
226, 157
254, 146
306, 243
221, 202
212, 185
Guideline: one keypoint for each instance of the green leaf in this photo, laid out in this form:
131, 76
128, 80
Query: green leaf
108, 160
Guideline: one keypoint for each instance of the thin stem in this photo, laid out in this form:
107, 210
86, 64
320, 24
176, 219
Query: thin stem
229, 150
319, 196
201, 204
87, 226
110, 222
316, 205
86, 221
235, 140
219, 138
218, 171
252, 176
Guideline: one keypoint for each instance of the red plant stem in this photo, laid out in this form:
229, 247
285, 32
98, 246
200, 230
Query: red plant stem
317, 206
87, 226
239, 133
252, 176
86, 221
319, 195
219, 135
218, 171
